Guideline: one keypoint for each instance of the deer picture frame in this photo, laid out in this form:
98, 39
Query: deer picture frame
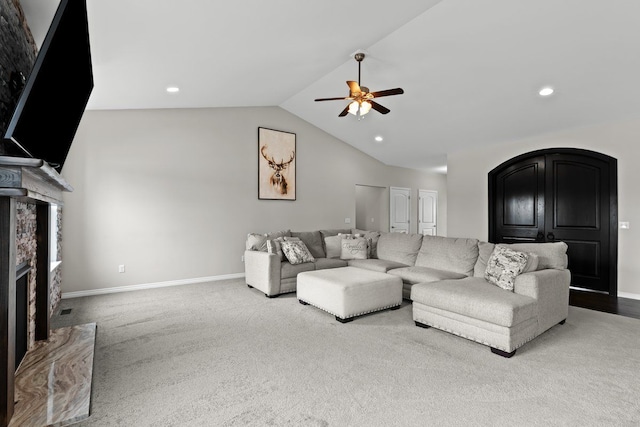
276, 165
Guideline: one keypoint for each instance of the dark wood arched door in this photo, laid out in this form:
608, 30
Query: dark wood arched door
562, 194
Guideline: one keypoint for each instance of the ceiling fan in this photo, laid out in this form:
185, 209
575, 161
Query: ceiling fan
362, 99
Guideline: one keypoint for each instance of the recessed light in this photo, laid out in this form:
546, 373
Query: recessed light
546, 91
379, 138
173, 89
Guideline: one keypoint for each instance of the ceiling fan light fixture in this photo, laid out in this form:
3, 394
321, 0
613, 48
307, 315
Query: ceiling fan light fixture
361, 97
359, 108
353, 108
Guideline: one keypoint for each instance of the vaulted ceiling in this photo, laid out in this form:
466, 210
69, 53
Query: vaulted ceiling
471, 70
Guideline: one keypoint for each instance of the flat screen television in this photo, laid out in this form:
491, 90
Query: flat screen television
57, 90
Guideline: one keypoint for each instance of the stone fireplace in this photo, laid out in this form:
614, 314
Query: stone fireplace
28, 190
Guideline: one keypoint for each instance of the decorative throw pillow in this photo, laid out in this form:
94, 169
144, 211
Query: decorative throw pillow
274, 246
532, 262
333, 245
296, 252
503, 266
372, 241
355, 248
256, 242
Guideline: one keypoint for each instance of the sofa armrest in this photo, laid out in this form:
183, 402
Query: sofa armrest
262, 271
550, 289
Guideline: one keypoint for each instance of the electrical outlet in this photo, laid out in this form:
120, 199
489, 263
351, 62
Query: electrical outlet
373, 220
242, 258
121, 268
624, 225
347, 220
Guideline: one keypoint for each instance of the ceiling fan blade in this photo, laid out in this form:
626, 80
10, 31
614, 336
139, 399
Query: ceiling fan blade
388, 92
354, 87
331, 99
379, 108
344, 112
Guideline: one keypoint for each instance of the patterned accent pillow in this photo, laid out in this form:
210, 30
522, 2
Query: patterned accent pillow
274, 246
353, 248
296, 252
503, 266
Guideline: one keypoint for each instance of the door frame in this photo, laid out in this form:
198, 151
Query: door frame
613, 200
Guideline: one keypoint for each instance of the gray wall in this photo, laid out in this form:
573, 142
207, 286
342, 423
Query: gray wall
372, 208
172, 194
467, 186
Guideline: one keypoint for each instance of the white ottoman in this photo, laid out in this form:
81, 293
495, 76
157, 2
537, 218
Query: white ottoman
348, 292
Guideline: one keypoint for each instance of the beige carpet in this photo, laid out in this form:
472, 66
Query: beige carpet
220, 354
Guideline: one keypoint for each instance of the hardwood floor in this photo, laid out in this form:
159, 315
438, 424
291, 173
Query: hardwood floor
600, 302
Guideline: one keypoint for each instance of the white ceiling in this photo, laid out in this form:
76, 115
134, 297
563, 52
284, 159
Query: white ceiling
470, 69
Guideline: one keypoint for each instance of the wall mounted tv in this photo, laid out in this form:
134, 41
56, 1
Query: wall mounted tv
57, 90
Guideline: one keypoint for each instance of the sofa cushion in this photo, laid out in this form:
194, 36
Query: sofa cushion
447, 253
276, 234
551, 255
423, 274
288, 270
399, 247
296, 252
485, 249
381, 265
313, 241
324, 263
476, 298
504, 265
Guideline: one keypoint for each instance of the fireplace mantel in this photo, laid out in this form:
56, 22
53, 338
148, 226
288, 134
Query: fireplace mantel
31, 180
36, 182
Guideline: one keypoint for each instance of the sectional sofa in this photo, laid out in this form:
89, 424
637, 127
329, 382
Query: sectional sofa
443, 277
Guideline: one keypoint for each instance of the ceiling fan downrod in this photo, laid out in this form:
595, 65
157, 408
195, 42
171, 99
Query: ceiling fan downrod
359, 57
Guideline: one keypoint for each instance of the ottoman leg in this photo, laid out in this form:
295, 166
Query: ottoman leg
250, 287
422, 325
341, 320
302, 302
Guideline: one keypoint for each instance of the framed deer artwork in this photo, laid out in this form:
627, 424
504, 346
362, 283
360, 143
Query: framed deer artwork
276, 165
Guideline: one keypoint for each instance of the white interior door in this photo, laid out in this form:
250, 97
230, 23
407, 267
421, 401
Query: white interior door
400, 209
427, 212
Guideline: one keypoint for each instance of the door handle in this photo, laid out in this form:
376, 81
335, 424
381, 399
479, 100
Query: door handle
540, 236
551, 237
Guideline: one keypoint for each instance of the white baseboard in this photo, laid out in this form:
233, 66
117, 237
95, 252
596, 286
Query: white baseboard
129, 288
629, 295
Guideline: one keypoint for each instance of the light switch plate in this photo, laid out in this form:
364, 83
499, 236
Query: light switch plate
347, 220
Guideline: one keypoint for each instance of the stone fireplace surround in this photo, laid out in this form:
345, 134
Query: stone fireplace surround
28, 187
